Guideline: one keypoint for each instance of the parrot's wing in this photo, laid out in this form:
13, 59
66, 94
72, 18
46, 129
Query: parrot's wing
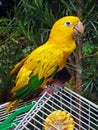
17, 67
40, 66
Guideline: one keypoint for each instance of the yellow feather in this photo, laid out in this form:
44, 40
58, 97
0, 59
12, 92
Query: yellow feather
17, 67
11, 106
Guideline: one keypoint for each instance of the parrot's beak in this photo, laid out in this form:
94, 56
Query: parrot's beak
79, 28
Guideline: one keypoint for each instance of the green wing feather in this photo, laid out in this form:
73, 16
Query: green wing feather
33, 84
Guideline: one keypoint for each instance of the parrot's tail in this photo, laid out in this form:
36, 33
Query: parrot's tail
11, 106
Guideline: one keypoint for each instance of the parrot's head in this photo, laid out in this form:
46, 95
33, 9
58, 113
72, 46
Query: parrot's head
66, 27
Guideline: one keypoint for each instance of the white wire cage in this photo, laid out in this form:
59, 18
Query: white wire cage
84, 112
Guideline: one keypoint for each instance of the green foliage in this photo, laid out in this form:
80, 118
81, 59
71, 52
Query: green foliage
90, 77
90, 51
90, 70
29, 28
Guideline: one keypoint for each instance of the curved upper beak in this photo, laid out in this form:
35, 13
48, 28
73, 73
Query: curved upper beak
79, 28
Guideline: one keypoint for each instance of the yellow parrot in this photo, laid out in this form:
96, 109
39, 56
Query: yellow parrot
43, 63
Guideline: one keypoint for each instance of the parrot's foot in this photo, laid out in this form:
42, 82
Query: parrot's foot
53, 87
48, 90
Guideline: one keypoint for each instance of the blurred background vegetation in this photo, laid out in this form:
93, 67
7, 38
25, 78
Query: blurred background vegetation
25, 25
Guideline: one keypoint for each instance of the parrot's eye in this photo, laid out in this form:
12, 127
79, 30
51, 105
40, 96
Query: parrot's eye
68, 23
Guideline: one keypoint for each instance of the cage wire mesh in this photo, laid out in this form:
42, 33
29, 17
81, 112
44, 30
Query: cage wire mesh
84, 112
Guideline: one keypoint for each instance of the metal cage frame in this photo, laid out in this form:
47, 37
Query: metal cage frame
84, 112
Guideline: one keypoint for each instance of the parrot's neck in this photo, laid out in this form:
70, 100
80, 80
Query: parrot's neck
63, 43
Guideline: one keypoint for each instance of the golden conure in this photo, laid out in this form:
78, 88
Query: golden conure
39, 67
